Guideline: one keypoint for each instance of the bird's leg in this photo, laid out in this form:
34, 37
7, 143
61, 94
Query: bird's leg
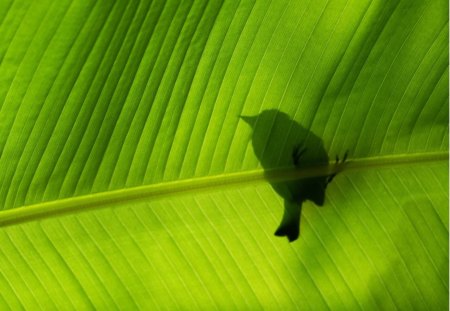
296, 154
338, 163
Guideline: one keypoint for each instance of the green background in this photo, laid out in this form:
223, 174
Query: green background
97, 96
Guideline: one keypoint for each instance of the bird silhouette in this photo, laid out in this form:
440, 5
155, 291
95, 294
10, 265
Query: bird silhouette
280, 142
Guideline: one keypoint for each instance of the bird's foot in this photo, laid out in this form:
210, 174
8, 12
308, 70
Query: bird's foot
338, 164
297, 153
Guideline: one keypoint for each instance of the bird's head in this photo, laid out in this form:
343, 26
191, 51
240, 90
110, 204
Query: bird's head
250, 120
265, 117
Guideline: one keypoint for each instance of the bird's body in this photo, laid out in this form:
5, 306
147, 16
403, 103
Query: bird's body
280, 142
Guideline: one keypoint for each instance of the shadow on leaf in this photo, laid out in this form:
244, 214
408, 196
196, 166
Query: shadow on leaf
280, 142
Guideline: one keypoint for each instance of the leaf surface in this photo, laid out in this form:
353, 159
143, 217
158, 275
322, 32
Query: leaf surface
136, 105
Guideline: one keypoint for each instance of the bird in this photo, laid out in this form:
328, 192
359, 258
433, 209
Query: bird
280, 142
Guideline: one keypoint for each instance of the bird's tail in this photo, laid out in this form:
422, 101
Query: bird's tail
290, 224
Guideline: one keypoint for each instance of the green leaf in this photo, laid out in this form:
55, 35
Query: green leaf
128, 180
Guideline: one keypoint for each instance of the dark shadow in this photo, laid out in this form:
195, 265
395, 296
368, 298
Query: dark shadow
280, 142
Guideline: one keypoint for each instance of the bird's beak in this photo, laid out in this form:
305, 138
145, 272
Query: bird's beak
249, 120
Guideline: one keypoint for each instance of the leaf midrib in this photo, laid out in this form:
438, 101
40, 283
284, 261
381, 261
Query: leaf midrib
166, 189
